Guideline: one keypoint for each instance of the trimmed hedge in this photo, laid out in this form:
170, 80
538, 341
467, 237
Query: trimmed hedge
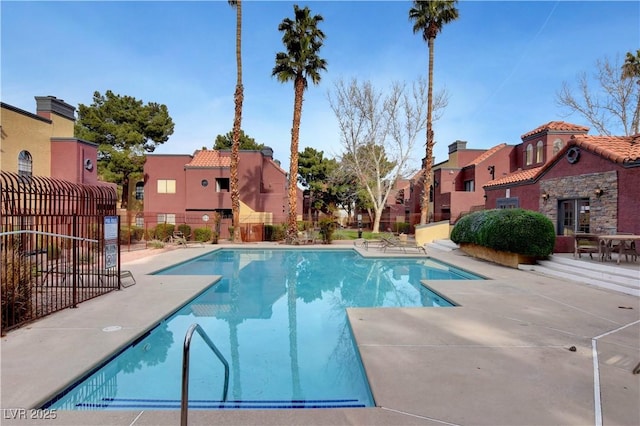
163, 231
202, 234
275, 232
514, 230
185, 229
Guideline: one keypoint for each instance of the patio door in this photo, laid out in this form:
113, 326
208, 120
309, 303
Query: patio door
573, 216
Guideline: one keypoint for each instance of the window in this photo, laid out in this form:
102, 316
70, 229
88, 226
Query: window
166, 186
539, 152
508, 203
222, 184
25, 163
140, 221
557, 146
528, 159
469, 186
140, 191
573, 216
167, 218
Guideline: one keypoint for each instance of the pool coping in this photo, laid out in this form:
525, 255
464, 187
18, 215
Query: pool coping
523, 316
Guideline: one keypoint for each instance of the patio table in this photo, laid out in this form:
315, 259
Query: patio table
606, 243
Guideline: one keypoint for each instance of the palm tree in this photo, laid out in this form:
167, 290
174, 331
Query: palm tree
238, 97
631, 70
428, 18
303, 39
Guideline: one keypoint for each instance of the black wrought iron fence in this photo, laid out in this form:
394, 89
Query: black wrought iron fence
52, 246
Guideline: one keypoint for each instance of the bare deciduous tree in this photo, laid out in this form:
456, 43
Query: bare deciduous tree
607, 100
378, 133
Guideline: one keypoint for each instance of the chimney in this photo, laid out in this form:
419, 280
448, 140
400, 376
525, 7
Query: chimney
46, 105
267, 152
457, 146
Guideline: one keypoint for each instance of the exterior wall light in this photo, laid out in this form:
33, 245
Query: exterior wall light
598, 191
545, 197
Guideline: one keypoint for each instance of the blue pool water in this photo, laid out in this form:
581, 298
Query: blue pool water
278, 317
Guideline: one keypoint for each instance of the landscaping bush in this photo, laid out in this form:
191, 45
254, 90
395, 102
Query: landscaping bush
53, 251
327, 227
275, 232
513, 230
163, 231
129, 234
185, 229
400, 227
202, 234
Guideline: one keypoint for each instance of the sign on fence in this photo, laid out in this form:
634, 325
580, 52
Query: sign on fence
111, 255
111, 241
111, 228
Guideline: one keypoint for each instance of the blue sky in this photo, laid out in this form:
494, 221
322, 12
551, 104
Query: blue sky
502, 62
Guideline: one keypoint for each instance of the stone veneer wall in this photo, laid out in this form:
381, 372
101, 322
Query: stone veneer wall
603, 216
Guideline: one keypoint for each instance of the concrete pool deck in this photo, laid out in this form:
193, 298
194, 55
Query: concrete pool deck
503, 357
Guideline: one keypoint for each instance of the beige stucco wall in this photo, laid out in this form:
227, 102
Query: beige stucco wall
432, 231
61, 127
22, 132
248, 215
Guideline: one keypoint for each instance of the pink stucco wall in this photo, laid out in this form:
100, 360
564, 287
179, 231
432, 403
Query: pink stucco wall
68, 158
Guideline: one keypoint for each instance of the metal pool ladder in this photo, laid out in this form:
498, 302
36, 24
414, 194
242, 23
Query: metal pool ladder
184, 402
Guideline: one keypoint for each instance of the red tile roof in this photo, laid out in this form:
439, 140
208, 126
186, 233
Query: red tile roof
557, 126
619, 149
488, 153
209, 158
518, 176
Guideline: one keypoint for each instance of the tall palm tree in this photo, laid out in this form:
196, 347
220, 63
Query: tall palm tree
428, 18
238, 97
303, 39
631, 70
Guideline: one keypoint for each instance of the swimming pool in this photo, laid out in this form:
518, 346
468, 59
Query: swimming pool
278, 317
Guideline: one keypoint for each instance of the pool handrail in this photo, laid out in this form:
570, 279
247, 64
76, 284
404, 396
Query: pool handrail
184, 401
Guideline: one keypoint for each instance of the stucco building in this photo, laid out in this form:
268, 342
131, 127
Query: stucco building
591, 184
192, 189
43, 144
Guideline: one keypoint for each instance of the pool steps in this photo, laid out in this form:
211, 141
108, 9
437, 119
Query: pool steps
597, 274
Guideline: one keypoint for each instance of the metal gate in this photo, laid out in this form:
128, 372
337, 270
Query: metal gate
52, 246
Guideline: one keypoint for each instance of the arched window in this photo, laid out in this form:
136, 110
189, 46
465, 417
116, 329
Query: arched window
557, 146
539, 153
529, 155
25, 163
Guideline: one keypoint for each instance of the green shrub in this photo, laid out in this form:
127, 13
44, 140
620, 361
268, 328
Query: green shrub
130, 234
514, 230
274, 232
400, 227
202, 234
53, 251
185, 229
164, 230
327, 228
304, 225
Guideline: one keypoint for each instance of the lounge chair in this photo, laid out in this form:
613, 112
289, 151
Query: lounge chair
402, 243
367, 244
306, 237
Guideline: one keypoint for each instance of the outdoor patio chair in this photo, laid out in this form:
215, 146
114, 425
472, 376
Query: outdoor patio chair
586, 243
